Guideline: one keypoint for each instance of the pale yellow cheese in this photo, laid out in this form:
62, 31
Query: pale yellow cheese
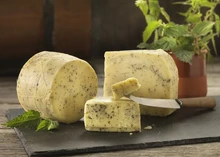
107, 115
155, 70
57, 85
124, 88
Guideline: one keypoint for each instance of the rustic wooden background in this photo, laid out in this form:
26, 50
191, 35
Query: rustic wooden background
85, 28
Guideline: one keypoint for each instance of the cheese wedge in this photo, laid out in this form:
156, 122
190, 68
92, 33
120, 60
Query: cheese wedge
107, 115
155, 70
124, 88
57, 85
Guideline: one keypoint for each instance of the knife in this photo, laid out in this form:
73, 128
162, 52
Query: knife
199, 102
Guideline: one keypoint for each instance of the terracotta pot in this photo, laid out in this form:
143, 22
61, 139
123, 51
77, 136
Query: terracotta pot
192, 78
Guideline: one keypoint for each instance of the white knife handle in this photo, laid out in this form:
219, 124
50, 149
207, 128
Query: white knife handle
202, 102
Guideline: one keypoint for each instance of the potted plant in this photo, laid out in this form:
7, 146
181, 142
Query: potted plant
188, 43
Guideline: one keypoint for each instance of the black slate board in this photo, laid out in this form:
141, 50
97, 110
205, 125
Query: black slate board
185, 126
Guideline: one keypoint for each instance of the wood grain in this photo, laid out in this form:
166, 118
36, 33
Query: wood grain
21, 29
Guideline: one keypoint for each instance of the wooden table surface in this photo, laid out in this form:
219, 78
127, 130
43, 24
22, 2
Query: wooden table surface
10, 145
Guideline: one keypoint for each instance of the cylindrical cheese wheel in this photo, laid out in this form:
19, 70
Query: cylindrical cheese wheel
57, 85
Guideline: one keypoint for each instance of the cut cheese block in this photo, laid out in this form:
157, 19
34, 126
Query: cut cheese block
57, 85
107, 115
124, 88
155, 70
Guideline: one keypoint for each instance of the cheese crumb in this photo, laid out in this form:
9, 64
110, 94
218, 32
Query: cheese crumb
147, 127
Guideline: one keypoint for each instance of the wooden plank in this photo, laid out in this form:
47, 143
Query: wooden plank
10, 145
72, 27
48, 7
118, 25
8, 90
21, 29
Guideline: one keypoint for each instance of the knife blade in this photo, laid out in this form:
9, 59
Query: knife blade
199, 102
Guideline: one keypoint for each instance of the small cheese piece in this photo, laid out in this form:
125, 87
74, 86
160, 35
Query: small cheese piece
155, 70
124, 88
57, 85
107, 115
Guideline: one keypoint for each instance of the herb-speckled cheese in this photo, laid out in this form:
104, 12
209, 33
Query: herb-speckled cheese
57, 85
124, 88
155, 70
107, 115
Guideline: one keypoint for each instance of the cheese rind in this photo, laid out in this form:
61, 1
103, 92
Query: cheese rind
124, 88
57, 85
107, 115
155, 70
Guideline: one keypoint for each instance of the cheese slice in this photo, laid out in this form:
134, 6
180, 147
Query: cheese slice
124, 88
107, 115
57, 85
155, 70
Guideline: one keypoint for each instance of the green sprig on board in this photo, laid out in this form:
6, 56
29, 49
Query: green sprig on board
31, 119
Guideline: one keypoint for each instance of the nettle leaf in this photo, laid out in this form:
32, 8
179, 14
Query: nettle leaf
182, 3
175, 30
47, 124
144, 46
165, 14
194, 18
206, 3
214, 46
29, 119
166, 43
150, 18
52, 124
42, 126
186, 42
150, 29
184, 55
217, 24
142, 5
182, 14
154, 8
149, 46
208, 37
203, 28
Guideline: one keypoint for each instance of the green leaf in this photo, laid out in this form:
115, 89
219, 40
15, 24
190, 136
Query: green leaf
47, 125
52, 125
183, 14
154, 8
186, 42
144, 46
149, 18
194, 18
203, 28
165, 14
217, 24
182, 3
175, 30
142, 5
214, 46
205, 3
29, 119
43, 125
32, 120
208, 37
166, 43
150, 29
184, 55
